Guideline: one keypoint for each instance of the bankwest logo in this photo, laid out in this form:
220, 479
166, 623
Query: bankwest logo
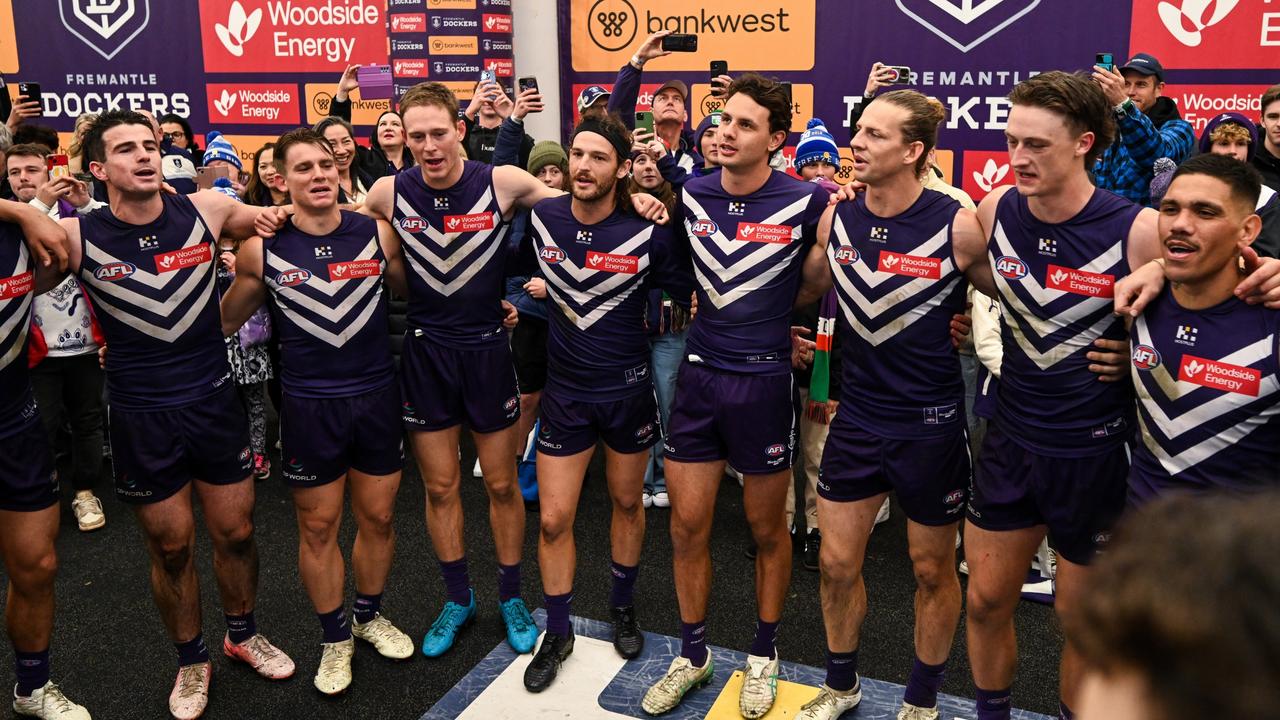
254, 104
475, 222
1079, 282
291, 35
16, 286
910, 265
764, 233
606, 262
354, 270
1220, 375
184, 258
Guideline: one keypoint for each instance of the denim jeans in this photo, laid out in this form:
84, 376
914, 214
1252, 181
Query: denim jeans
664, 362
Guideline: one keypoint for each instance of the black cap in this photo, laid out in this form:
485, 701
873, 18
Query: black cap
1145, 64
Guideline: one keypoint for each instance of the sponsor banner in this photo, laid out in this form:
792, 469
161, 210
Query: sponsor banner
1220, 375
452, 45
126, 54
501, 67
363, 112
466, 23
246, 146
604, 33
474, 222
1200, 103
967, 53
910, 265
253, 104
19, 285
1080, 282
606, 262
764, 233
497, 23
184, 258
354, 270
1215, 34
292, 35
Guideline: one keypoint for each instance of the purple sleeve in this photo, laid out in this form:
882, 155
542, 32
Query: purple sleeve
510, 142
671, 172
672, 267
625, 95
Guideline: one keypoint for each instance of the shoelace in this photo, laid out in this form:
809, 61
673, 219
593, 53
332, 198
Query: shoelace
189, 680
671, 681
260, 648
826, 697
333, 656
53, 695
381, 628
513, 614
446, 619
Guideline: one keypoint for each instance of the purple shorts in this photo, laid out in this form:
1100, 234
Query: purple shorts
322, 438
156, 453
929, 475
443, 386
749, 420
28, 481
1078, 498
629, 425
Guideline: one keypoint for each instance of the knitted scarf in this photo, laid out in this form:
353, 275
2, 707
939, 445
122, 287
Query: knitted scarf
820, 380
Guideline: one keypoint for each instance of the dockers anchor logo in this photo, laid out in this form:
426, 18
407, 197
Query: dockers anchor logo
107, 26
966, 24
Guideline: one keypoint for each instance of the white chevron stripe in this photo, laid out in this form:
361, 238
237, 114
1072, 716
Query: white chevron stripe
337, 340
727, 246
586, 321
325, 286
155, 281
370, 287
890, 300
162, 334
1175, 389
1206, 449
1043, 296
545, 239
1045, 327
873, 278
585, 295
18, 325
446, 289
440, 238
737, 292
902, 322
119, 291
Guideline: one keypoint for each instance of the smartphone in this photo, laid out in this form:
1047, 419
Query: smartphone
206, 175
1106, 61
487, 75
375, 82
718, 68
901, 75
31, 91
59, 166
527, 83
680, 42
644, 121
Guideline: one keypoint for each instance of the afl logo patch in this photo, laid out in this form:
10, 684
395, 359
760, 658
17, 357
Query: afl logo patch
292, 278
704, 228
112, 272
846, 255
413, 224
1011, 267
1146, 357
551, 255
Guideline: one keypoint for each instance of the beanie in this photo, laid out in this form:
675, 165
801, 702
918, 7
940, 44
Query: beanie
223, 185
547, 152
1234, 118
219, 148
816, 144
708, 122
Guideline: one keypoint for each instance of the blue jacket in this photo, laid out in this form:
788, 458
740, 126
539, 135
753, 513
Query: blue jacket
1127, 167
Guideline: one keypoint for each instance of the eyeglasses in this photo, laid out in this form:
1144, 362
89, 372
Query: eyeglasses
175, 135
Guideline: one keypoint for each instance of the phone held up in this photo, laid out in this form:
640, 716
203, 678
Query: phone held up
527, 83
680, 42
1106, 61
718, 68
644, 121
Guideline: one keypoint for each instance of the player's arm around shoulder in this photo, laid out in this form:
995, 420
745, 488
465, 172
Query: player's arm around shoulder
516, 188
379, 203
44, 238
969, 248
248, 291
67, 235
815, 278
394, 275
1146, 268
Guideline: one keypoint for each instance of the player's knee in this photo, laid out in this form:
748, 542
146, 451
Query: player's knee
687, 535
174, 556
235, 539
983, 606
529, 403
933, 573
837, 569
442, 491
503, 490
376, 525
555, 528
35, 571
319, 532
628, 507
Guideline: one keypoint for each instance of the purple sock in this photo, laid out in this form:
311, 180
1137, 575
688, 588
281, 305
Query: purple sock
924, 682
241, 627
508, 582
693, 642
994, 704
766, 636
335, 625
366, 607
457, 583
32, 670
622, 594
558, 607
842, 670
1064, 712
192, 651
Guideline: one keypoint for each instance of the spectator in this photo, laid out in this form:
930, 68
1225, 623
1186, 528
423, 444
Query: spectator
670, 114
383, 156
1267, 158
28, 133
512, 142
1235, 135
589, 101
219, 152
353, 181
177, 130
179, 166
1149, 128
816, 153
704, 138
1180, 622
75, 152
881, 76
65, 337
483, 116
6, 142
261, 189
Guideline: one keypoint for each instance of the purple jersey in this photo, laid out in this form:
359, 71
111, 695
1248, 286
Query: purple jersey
747, 254
1056, 287
898, 288
1208, 398
330, 311
598, 276
453, 247
17, 280
153, 285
